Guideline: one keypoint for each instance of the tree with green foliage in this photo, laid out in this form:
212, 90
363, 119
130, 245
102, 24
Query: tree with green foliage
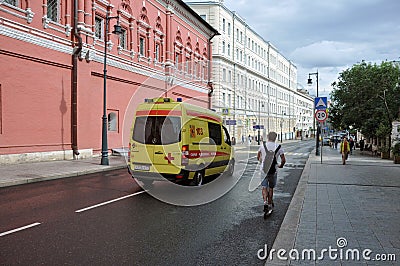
367, 97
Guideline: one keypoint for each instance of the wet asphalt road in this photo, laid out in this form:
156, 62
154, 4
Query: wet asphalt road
138, 229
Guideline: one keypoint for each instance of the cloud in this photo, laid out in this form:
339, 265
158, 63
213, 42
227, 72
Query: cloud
326, 35
328, 54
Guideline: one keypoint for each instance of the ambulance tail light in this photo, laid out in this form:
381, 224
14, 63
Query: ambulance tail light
185, 154
129, 153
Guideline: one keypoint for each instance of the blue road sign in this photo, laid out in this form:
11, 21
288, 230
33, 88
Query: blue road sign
321, 103
230, 122
258, 127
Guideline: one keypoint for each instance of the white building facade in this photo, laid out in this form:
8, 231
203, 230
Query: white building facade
255, 87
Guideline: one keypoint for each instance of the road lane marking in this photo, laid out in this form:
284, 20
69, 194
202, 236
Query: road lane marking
19, 229
296, 153
110, 201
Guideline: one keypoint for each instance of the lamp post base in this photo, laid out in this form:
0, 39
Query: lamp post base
104, 160
104, 144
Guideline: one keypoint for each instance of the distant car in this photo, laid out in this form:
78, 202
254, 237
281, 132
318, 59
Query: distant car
335, 137
325, 141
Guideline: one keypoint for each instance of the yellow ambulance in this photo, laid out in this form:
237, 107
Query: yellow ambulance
179, 142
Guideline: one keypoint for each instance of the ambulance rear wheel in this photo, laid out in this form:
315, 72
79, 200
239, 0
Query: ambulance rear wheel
198, 178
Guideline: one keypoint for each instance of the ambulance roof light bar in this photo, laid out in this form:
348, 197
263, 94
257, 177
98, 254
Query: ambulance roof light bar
158, 100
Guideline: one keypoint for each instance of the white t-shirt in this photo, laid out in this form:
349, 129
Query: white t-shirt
271, 146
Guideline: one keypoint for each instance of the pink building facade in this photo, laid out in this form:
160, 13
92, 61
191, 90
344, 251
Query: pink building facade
52, 79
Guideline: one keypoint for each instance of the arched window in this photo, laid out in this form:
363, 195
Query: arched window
158, 41
188, 57
178, 51
113, 121
143, 34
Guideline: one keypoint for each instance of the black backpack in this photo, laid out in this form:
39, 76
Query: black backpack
270, 161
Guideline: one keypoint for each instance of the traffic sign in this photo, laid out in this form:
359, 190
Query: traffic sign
321, 115
321, 103
229, 122
225, 111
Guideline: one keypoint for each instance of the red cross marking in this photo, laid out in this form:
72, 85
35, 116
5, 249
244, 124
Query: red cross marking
169, 158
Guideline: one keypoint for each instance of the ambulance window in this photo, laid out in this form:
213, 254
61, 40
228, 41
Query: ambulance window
157, 130
143, 129
215, 133
170, 129
227, 138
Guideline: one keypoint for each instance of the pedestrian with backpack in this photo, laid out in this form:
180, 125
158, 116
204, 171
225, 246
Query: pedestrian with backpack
268, 155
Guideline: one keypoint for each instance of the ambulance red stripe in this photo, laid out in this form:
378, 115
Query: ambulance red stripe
205, 154
158, 112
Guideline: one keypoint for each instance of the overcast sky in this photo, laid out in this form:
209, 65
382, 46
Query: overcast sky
329, 36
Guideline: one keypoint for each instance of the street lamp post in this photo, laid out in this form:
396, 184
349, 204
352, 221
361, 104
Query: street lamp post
309, 82
301, 127
282, 120
259, 121
104, 145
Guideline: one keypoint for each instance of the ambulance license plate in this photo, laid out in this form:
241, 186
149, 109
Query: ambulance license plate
142, 167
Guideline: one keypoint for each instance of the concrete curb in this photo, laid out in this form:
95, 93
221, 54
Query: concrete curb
286, 237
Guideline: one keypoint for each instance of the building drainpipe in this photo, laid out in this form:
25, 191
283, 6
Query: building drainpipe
74, 85
209, 83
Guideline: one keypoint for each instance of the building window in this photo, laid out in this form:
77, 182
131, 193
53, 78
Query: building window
178, 61
52, 10
229, 28
11, 2
237, 34
204, 17
157, 52
142, 46
223, 25
195, 68
113, 121
229, 49
123, 39
223, 47
98, 27
188, 69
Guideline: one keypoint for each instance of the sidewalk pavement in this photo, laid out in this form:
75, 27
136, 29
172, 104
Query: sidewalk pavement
17, 174
345, 207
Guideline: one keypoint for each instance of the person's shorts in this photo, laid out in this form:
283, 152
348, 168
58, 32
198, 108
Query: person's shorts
270, 181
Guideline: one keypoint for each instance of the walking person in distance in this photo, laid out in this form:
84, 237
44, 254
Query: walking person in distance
344, 150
